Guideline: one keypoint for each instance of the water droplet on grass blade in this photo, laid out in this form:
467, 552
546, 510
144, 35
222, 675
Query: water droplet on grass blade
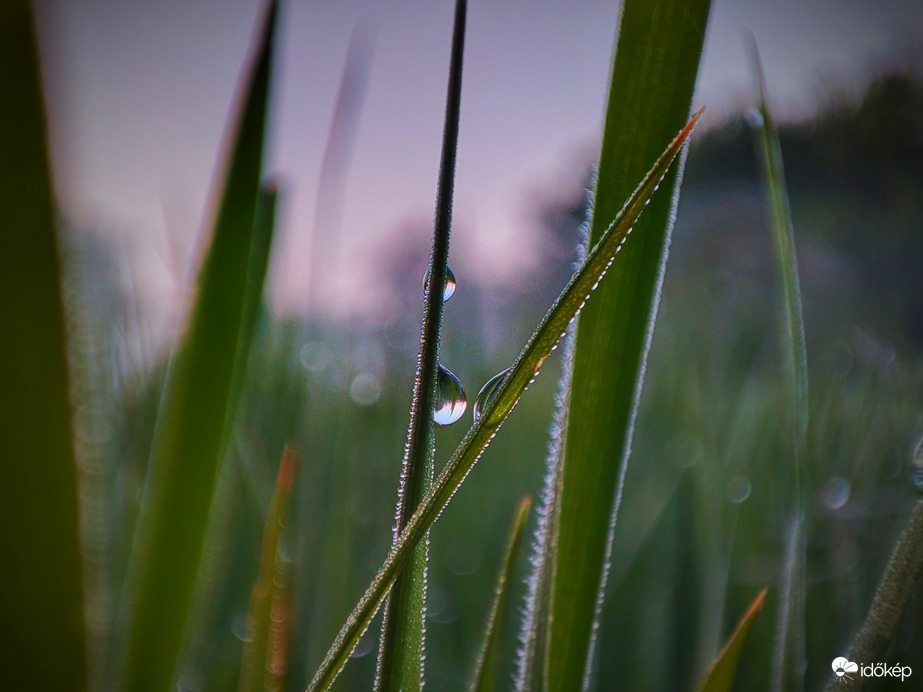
835, 493
240, 626
449, 289
738, 490
450, 398
486, 395
364, 646
916, 471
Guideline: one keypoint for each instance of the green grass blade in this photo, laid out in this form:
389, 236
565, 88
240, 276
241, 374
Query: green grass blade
789, 656
543, 341
270, 592
783, 234
400, 659
656, 64
199, 404
721, 673
41, 598
899, 583
486, 670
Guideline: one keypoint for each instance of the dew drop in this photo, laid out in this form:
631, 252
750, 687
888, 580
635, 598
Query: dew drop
450, 398
240, 627
738, 490
449, 289
916, 471
486, 395
835, 492
364, 646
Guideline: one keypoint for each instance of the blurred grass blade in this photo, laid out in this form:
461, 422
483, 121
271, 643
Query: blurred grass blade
789, 655
199, 403
653, 78
401, 653
486, 669
899, 583
41, 598
544, 339
266, 636
783, 234
721, 673
325, 232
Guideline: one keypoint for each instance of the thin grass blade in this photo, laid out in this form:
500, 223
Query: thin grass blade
41, 598
721, 673
653, 78
486, 669
789, 655
199, 403
526, 367
265, 632
899, 583
325, 234
401, 654
783, 233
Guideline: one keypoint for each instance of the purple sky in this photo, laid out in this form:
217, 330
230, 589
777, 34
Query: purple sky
139, 94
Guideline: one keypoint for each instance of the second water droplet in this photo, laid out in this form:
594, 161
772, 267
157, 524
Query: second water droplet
488, 391
450, 398
449, 289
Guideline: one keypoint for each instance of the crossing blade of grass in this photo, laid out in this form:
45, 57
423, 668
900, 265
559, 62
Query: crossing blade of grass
525, 368
788, 656
721, 673
199, 403
266, 632
401, 653
41, 597
486, 669
653, 78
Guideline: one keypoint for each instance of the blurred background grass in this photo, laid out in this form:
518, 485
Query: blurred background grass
701, 521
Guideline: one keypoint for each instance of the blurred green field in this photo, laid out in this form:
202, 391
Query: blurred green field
700, 525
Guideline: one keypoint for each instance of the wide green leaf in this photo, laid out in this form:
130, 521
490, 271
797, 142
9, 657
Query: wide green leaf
505, 397
41, 595
199, 402
656, 63
486, 669
400, 661
721, 673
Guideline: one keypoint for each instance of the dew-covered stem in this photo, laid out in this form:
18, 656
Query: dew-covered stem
401, 657
525, 368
